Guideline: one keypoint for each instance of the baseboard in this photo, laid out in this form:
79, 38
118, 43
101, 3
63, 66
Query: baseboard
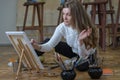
2, 45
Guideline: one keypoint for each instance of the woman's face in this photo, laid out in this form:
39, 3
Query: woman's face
67, 18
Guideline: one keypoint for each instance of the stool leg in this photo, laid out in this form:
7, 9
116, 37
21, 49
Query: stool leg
59, 17
103, 24
40, 22
93, 14
33, 16
116, 26
25, 18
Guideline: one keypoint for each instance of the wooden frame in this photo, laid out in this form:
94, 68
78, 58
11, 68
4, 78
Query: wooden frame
25, 51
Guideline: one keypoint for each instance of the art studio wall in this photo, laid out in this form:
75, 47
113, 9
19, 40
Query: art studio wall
12, 15
7, 19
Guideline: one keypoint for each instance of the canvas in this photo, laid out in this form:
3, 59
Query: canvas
22, 44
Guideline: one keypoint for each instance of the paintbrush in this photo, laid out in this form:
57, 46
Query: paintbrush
78, 61
60, 63
60, 59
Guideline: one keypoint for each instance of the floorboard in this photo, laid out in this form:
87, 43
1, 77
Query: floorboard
110, 60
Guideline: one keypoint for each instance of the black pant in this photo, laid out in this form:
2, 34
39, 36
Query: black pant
62, 48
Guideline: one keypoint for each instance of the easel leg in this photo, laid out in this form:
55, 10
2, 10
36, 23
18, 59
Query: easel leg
19, 65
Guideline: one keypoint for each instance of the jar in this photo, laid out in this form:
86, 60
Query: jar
68, 74
95, 72
83, 67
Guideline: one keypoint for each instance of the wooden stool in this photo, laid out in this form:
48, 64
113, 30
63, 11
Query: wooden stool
39, 7
99, 7
116, 32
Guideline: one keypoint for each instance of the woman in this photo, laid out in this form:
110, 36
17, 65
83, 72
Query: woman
76, 29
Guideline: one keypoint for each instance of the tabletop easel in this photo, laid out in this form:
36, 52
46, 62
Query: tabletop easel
27, 55
19, 65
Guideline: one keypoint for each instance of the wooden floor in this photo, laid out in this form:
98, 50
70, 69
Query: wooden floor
111, 60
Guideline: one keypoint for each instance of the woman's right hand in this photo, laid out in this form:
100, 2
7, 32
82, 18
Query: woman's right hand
35, 44
85, 33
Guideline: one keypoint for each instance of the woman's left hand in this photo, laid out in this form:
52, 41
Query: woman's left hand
84, 33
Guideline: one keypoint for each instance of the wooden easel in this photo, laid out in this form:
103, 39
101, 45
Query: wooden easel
20, 45
26, 54
99, 8
39, 6
25, 49
116, 33
19, 65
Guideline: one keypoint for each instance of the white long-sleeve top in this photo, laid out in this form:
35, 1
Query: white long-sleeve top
71, 37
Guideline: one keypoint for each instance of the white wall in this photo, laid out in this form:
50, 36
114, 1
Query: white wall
7, 19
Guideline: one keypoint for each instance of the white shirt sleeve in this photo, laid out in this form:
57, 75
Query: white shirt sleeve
55, 39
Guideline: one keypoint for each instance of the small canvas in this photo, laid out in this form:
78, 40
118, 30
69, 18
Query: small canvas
21, 42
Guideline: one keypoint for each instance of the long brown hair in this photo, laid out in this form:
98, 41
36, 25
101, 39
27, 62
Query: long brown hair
82, 21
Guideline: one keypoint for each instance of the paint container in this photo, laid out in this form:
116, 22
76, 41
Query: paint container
83, 67
15, 66
68, 74
95, 72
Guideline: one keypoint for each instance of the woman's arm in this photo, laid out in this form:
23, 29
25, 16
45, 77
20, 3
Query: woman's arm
55, 39
35, 45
